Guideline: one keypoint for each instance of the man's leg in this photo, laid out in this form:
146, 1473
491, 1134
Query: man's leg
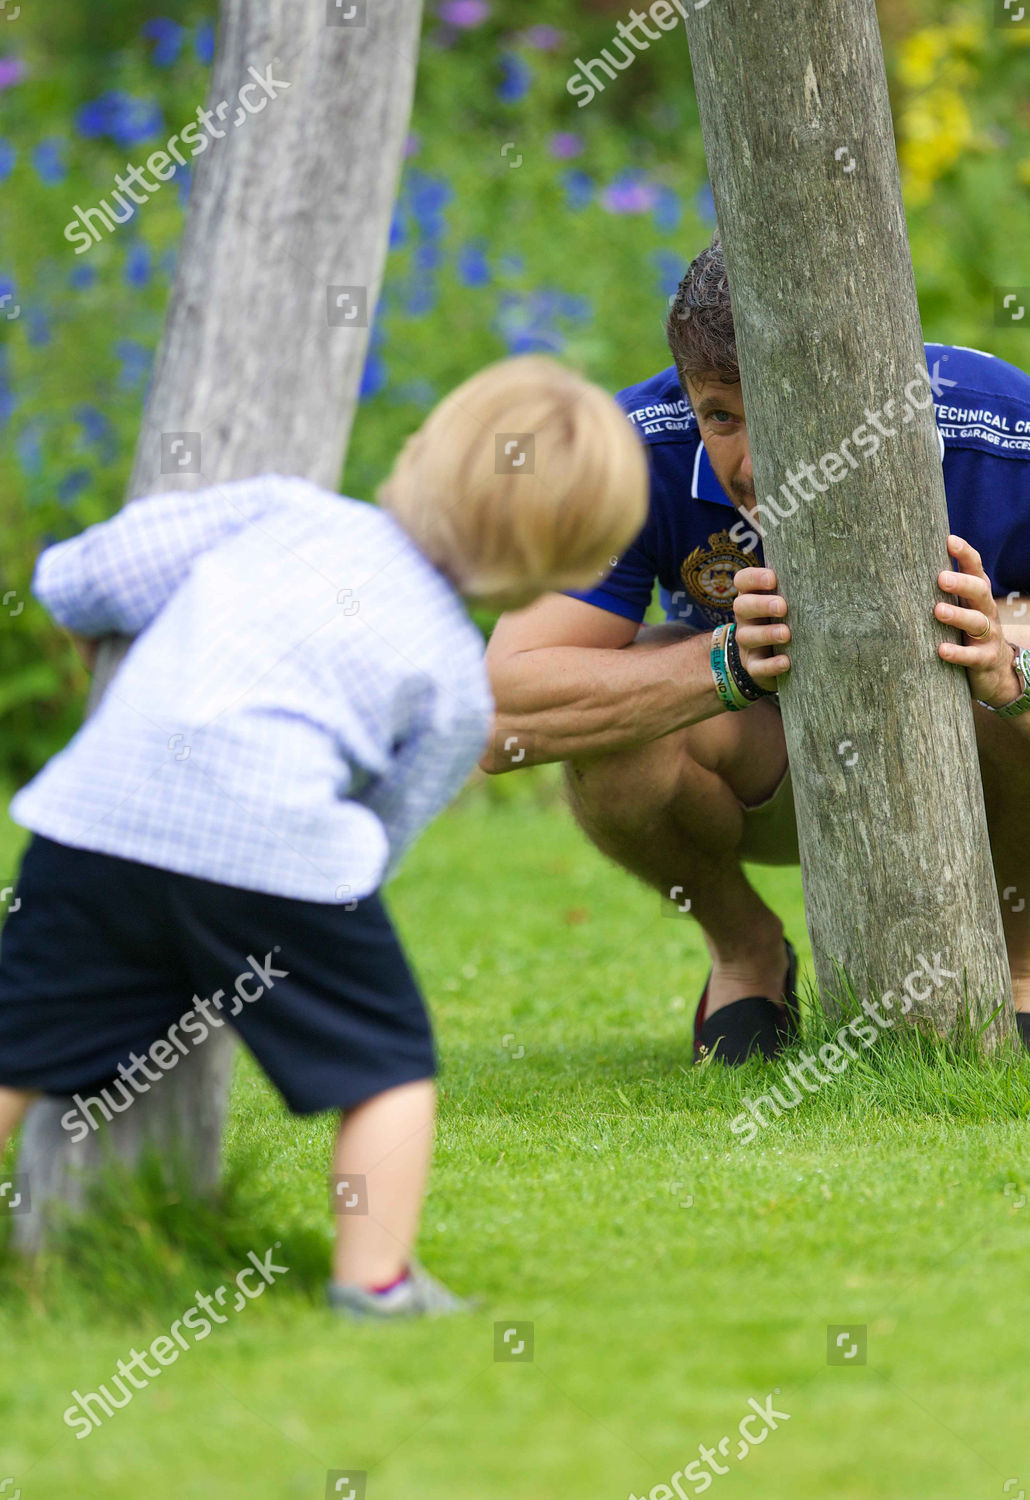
13, 1105
671, 813
1005, 768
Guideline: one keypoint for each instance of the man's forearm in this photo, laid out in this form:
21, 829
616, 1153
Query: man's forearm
576, 702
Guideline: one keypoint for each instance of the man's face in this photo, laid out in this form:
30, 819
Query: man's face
719, 410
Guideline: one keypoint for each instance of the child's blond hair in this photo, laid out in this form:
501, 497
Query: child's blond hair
525, 478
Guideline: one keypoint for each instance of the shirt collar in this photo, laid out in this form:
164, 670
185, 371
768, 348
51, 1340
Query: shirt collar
705, 486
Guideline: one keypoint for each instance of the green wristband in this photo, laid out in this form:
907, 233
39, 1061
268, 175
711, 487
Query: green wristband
730, 696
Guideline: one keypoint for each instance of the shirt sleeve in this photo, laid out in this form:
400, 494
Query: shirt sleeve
427, 772
115, 577
628, 588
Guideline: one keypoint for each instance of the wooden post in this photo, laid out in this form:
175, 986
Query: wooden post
258, 371
894, 849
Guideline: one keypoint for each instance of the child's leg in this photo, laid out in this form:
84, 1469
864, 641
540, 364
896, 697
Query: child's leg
13, 1104
388, 1140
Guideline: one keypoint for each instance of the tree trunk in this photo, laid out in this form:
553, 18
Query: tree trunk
894, 849
258, 371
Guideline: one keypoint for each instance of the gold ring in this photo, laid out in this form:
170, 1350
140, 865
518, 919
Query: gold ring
983, 634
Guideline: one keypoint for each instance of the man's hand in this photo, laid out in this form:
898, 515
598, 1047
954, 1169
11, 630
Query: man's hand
87, 650
986, 654
760, 614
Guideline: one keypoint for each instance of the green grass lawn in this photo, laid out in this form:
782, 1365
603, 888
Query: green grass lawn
587, 1182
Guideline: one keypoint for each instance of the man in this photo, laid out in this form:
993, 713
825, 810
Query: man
661, 777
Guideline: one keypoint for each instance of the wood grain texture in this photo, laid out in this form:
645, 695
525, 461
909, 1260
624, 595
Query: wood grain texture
295, 200
894, 848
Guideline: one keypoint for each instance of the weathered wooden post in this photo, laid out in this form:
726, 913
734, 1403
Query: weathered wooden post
258, 371
894, 848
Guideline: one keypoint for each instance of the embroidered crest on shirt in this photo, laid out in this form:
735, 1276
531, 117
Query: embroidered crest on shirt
708, 573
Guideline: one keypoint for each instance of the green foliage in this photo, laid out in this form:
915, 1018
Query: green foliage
504, 239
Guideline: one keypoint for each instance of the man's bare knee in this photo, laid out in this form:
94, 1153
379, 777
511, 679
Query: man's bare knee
627, 789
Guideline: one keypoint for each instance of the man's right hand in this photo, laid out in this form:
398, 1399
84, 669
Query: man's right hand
760, 613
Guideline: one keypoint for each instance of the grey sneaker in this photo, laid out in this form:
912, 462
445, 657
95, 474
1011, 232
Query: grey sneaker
420, 1296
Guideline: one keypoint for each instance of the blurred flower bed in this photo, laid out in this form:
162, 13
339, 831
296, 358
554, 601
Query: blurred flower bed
524, 223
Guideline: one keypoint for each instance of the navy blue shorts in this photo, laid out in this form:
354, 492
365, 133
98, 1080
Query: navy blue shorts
102, 957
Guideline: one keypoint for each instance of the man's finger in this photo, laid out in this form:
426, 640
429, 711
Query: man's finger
754, 578
753, 637
759, 606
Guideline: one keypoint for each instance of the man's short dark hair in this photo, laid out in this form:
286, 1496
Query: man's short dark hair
699, 327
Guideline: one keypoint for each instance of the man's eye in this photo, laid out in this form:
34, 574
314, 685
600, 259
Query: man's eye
720, 417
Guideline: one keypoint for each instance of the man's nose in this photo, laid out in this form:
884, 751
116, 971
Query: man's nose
745, 471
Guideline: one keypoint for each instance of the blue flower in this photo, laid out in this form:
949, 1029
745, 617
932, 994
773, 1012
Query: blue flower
516, 78
29, 447
527, 322
204, 42
7, 399
473, 269
8, 157
80, 277
37, 328
630, 193
96, 427
169, 38
421, 299
183, 177
72, 484
670, 271
668, 210
428, 196
373, 377
48, 163
579, 189
427, 257
127, 120
136, 361
704, 204
137, 264
398, 230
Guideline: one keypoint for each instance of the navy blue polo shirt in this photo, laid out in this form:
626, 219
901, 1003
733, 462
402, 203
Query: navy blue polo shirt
695, 539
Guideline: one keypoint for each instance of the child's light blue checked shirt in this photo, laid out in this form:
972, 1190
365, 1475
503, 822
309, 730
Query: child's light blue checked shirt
304, 694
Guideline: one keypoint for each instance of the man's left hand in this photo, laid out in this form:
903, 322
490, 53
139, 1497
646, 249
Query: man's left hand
984, 651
